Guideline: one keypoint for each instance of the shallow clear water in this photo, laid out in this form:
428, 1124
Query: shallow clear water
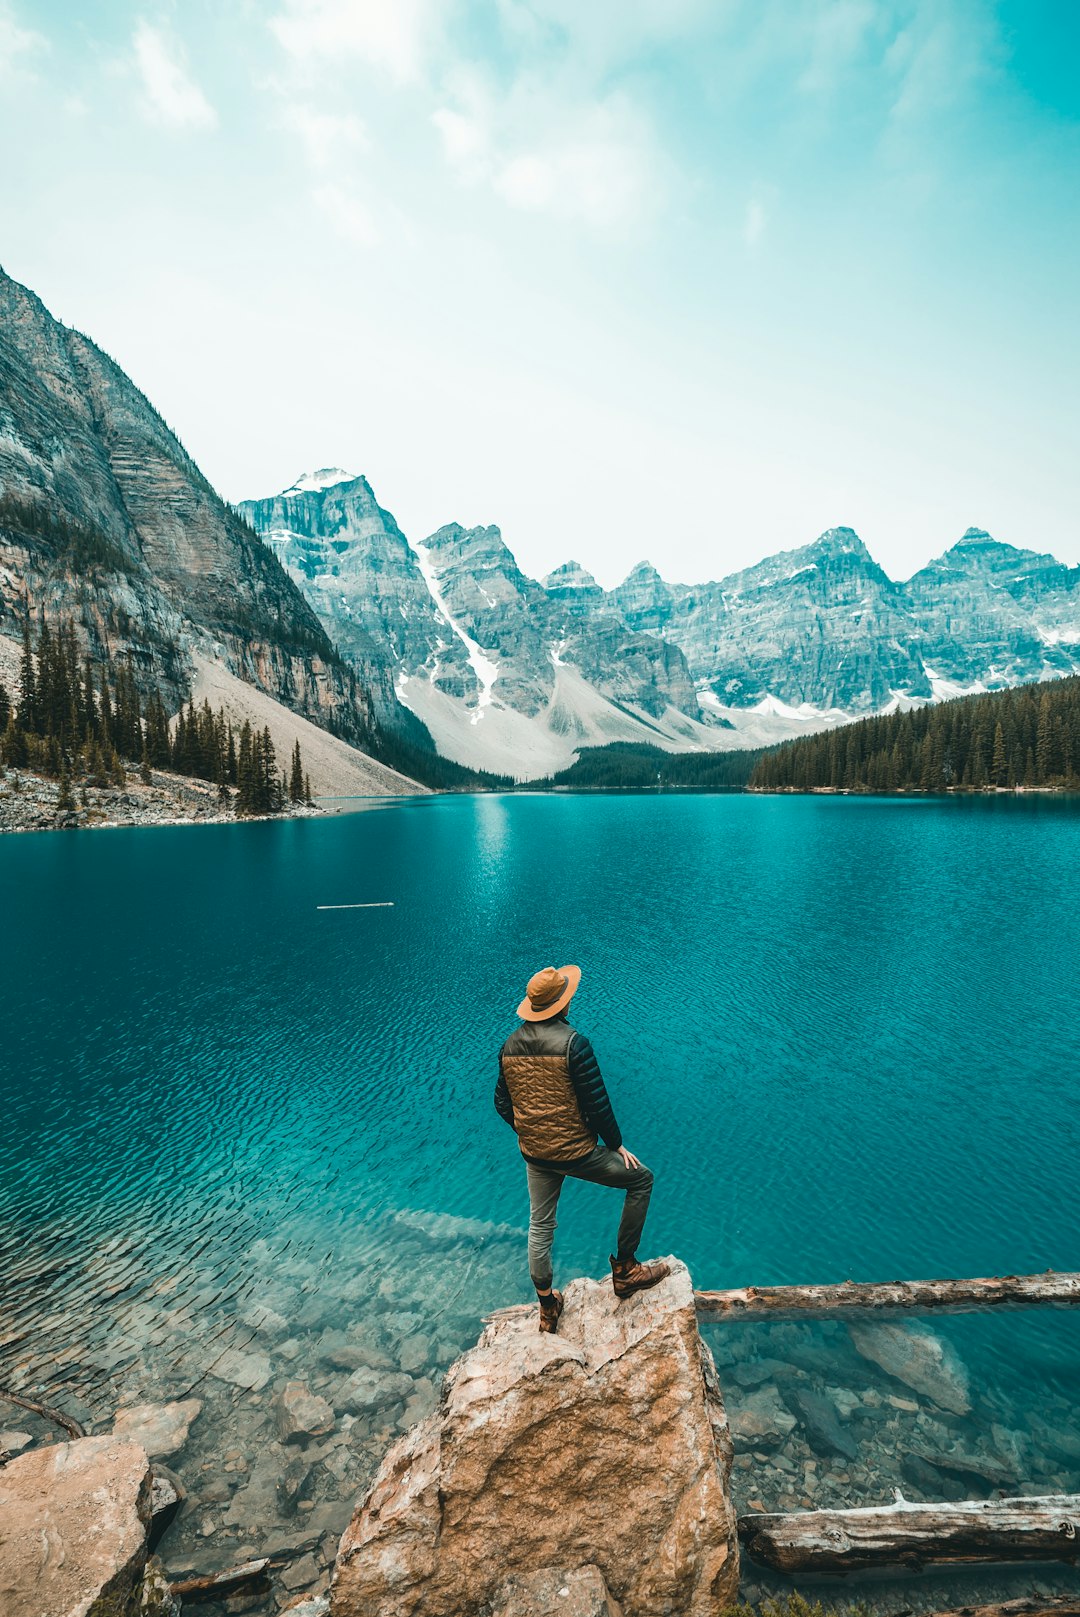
841, 1031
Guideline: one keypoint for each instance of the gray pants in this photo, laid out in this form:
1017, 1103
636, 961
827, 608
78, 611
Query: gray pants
600, 1167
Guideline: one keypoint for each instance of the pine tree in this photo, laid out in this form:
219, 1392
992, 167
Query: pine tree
13, 746
29, 717
245, 772
1044, 740
999, 766
296, 780
65, 802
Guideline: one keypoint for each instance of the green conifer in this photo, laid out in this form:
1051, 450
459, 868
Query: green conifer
296, 779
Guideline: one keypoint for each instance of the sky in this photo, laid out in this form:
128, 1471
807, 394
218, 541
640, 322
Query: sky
685, 280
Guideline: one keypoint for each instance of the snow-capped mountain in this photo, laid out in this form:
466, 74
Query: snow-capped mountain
515, 675
449, 634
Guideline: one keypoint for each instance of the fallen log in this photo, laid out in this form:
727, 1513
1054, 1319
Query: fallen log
1051, 1606
913, 1535
253, 1578
46, 1411
915, 1296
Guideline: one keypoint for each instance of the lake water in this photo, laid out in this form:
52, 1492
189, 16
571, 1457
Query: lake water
241, 1134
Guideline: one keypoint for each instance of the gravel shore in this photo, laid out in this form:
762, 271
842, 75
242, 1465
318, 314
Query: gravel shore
28, 802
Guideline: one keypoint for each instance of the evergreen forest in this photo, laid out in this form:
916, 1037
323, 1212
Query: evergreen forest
635, 766
1026, 736
83, 721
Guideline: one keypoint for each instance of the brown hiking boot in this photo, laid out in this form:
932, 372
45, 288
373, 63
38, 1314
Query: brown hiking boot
628, 1275
551, 1313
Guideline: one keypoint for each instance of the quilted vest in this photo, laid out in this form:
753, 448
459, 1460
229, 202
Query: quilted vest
535, 1064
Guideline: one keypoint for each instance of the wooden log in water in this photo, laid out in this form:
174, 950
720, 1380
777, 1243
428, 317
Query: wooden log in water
914, 1296
67, 1422
1050, 1606
253, 1578
1045, 1528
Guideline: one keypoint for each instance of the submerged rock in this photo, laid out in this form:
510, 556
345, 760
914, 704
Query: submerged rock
300, 1414
760, 1420
160, 1429
167, 1494
251, 1371
367, 1390
605, 1445
920, 1359
74, 1523
822, 1423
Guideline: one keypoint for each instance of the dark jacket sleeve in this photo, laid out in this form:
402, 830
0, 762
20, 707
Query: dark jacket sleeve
503, 1104
592, 1097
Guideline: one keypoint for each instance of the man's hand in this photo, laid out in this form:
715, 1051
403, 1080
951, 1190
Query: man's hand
629, 1159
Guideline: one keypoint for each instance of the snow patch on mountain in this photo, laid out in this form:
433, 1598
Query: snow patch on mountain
528, 747
314, 482
486, 671
945, 689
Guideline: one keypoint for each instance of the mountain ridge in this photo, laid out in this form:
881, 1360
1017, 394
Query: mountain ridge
516, 674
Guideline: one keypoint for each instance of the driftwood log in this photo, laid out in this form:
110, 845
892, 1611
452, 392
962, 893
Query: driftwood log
253, 1578
912, 1536
46, 1411
916, 1296
1051, 1606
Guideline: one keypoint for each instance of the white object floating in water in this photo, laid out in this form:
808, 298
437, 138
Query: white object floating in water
383, 904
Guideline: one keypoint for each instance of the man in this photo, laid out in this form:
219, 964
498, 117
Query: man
552, 1095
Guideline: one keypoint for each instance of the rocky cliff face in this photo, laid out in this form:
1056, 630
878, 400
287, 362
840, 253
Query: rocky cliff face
106, 519
822, 624
990, 614
355, 567
503, 672
823, 628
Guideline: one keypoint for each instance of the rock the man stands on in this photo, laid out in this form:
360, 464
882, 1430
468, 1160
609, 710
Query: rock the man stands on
551, 1093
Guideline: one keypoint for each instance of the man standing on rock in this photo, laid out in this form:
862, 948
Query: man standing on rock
552, 1095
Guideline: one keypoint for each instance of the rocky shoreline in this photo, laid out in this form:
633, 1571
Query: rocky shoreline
30, 802
271, 1421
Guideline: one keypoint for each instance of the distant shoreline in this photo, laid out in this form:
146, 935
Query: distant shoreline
29, 802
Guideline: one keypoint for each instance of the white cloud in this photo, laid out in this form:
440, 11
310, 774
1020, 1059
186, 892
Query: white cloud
327, 137
754, 223
349, 216
170, 95
16, 44
464, 138
543, 151
397, 35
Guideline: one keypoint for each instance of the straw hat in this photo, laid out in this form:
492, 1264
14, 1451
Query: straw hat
549, 992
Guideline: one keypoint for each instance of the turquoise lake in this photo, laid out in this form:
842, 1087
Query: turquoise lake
842, 1031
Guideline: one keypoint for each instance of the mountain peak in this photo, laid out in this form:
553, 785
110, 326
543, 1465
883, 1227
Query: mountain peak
315, 482
974, 536
839, 541
641, 571
571, 576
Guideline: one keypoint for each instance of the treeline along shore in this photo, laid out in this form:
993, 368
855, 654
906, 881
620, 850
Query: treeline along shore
83, 746
1024, 738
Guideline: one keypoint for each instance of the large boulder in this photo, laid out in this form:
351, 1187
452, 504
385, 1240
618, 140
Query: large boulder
604, 1446
74, 1521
